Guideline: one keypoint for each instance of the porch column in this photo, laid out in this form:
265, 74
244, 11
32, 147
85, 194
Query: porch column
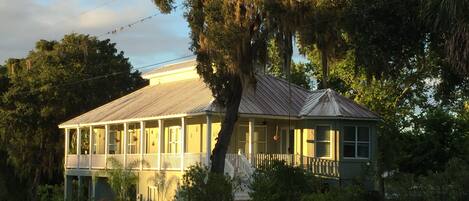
301, 148
125, 145
91, 148
208, 146
142, 142
79, 188
67, 136
68, 180
93, 187
78, 146
251, 140
160, 138
106, 144
183, 141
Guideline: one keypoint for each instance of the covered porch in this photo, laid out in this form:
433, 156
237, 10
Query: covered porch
177, 143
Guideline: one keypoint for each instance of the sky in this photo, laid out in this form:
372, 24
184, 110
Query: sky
161, 38
157, 39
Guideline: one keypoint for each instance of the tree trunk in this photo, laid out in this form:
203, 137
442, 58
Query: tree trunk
325, 69
227, 126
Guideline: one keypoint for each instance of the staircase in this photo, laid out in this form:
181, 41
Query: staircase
237, 165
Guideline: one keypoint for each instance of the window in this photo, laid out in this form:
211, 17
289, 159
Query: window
323, 141
173, 139
259, 143
133, 138
356, 142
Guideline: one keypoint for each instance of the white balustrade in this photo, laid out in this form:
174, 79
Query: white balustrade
72, 161
98, 161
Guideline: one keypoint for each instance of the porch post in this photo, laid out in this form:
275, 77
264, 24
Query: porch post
160, 138
93, 187
125, 145
91, 147
183, 141
67, 136
78, 146
301, 148
142, 142
106, 144
251, 140
208, 146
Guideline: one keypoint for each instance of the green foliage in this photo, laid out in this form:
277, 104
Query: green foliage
299, 73
282, 182
438, 136
122, 180
54, 82
198, 184
452, 184
50, 193
348, 193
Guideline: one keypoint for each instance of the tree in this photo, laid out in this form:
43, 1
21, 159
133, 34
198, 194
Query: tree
321, 30
229, 40
449, 20
54, 82
122, 180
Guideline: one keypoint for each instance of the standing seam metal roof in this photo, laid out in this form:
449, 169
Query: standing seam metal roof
270, 97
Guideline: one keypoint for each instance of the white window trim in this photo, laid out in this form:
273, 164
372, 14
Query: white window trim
176, 141
356, 142
316, 141
257, 141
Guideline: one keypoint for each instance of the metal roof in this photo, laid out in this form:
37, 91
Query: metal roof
181, 97
192, 96
171, 67
329, 103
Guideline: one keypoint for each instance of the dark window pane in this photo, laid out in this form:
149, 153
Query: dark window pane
349, 133
363, 134
363, 150
349, 149
323, 149
322, 133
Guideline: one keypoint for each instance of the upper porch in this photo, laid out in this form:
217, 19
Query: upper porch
177, 143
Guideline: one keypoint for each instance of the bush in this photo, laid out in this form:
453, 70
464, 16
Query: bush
282, 182
50, 193
450, 185
355, 192
198, 184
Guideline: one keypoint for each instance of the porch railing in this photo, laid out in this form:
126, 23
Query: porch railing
239, 163
98, 161
267, 159
322, 167
72, 161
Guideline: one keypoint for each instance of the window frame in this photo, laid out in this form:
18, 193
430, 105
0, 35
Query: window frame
245, 142
316, 141
174, 140
356, 142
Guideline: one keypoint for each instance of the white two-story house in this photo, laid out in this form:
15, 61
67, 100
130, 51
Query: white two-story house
173, 123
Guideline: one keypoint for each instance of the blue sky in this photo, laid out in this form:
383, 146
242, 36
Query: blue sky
161, 38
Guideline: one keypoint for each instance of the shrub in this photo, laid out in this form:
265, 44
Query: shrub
50, 193
198, 184
349, 193
281, 182
452, 184
122, 180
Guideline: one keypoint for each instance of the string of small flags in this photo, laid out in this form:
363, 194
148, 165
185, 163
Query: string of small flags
119, 29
